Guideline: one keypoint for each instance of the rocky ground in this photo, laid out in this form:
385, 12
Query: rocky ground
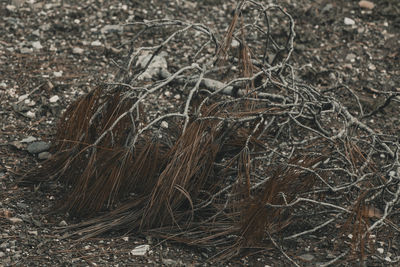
53, 51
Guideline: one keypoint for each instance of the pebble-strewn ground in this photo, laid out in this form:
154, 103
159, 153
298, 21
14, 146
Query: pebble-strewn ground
53, 51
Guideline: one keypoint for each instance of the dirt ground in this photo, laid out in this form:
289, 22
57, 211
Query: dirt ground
51, 52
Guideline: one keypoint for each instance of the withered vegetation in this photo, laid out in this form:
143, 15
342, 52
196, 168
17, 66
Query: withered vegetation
250, 156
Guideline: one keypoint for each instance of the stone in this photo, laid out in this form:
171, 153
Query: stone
11, 8
58, 74
29, 139
25, 50
77, 51
22, 97
164, 124
140, 250
44, 155
112, 28
170, 262
33, 232
327, 8
351, 57
366, 4
349, 21
30, 114
15, 220
157, 63
96, 43
371, 67
54, 99
37, 45
37, 147
235, 43
307, 257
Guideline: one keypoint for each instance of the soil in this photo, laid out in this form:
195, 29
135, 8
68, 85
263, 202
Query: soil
51, 52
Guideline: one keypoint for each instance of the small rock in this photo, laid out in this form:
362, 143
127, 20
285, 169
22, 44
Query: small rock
26, 50
33, 232
177, 96
2, 254
37, 147
44, 155
11, 8
77, 51
388, 259
327, 8
22, 205
53, 48
63, 223
36, 33
348, 66
366, 4
54, 99
112, 28
349, 21
96, 43
371, 67
307, 257
140, 250
164, 124
235, 43
170, 262
45, 27
330, 255
22, 97
125, 238
351, 57
37, 45
380, 250
15, 220
29, 139
30, 114
350, 236
58, 73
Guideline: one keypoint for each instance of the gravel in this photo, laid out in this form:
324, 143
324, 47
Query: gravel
52, 52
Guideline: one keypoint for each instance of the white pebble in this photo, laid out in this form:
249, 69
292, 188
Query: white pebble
37, 45
164, 124
350, 236
54, 99
235, 43
22, 97
77, 50
10, 8
58, 73
380, 250
30, 114
96, 43
349, 21
371, 67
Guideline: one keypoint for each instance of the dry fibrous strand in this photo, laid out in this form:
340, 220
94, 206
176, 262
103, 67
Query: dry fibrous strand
233, 164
